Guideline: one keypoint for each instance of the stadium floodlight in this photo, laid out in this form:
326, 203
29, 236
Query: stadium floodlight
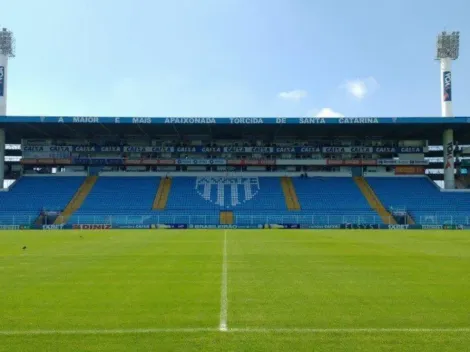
448, 46
447, 49
7, 50
7, 43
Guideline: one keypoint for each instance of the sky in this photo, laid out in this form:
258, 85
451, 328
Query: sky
214, 58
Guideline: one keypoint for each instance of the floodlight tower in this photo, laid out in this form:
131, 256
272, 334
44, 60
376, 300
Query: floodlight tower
447, 49
7, 50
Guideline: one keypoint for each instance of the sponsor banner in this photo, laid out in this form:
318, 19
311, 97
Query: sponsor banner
432, 227
359, 162
281, 226
399, 150
409, 170
201, 161
190, 226
301, 161
95, 149
132, 226
453, 227
402, 162
200, 149
46, 161
2, 80
370, 150
360, 226
46, 155
148, 162
98, 161
92, 226
169, 226
259, 226
46, 148
399, 227
251, 162
53, 227
356, 150
447, 86
449, 155
14, 227
423, 227
133, 149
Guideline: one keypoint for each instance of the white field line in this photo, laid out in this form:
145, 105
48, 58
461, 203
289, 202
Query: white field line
232, 330
346, 330
105, 331
223, 289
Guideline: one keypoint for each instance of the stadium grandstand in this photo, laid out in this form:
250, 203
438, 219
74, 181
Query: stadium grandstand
124, 172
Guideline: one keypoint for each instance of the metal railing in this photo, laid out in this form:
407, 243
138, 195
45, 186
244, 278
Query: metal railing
443, 219
313, 219
316, 219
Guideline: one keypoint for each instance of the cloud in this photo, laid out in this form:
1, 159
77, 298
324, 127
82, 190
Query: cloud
293, 95
325, 113
361, 87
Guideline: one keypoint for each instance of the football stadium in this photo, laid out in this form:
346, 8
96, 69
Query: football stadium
235, 234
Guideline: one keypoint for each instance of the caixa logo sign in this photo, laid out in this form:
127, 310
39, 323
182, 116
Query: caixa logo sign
449, 157
447, 86
2, 80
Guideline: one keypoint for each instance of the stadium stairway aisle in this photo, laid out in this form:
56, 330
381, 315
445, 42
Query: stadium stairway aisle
292, 201
163, 192
77, 200
373, 200
226, 217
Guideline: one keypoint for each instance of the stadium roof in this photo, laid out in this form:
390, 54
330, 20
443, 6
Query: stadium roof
58, 127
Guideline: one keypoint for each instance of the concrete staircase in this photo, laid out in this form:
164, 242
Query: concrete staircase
290, 196
161, 198
374, 201
77, 200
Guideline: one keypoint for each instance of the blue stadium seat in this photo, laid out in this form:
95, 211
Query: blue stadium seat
422, 199
30, 195
323, 200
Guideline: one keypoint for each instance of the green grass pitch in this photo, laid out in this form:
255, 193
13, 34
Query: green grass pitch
165, 290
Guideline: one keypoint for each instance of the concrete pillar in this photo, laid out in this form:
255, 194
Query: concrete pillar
2, 157
448, 145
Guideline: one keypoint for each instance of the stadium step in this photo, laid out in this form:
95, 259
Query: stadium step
290, 195
161, 198
77, 200
226, 217
410, 220
373, 200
